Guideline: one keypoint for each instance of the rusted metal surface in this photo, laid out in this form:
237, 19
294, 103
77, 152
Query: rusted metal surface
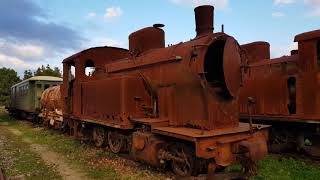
285, 89
2, 177
204, 17
51, 107
257, 51
176, 104
151, 37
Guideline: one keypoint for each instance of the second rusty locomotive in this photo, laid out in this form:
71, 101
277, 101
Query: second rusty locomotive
286, 95
174, 105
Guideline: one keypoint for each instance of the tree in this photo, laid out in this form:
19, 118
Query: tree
27, 74
8, 77
47, 71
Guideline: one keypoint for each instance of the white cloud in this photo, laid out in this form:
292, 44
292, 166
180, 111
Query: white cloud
315, 7
16, 63
103, 41
113, 12
91, 15
283, 50
219, 4
279, 2
28, 50
278, 14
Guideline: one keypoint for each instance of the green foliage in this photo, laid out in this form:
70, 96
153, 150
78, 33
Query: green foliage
8, 77
274, 168
47, 71
27, 74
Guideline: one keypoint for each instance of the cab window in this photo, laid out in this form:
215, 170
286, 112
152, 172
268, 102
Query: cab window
318, 52
89, 68
71, 71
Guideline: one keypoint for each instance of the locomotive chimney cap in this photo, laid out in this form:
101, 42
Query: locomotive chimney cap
158, 25
204, 17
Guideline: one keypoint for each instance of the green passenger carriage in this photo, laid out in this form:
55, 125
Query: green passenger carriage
25, 96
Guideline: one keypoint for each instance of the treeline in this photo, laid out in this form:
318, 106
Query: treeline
42, 71
9, 77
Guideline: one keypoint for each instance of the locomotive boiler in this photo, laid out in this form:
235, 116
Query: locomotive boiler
285, 91
175, 105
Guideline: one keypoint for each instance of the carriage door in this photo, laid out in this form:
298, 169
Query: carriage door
292, 106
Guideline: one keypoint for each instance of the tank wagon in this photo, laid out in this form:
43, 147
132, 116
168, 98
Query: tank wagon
51, 108
285, 91
175, 105
25, 96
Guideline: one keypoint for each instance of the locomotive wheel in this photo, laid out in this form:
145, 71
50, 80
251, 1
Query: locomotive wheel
115, 141
186, 167
99, 136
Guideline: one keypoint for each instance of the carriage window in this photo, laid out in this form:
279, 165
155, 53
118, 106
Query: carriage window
89, 68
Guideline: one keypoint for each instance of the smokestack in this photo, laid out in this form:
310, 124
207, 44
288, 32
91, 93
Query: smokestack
204, 19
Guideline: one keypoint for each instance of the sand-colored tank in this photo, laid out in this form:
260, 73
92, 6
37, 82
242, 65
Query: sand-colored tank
51, 107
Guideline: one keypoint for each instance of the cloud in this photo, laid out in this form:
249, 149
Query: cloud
28, 38
283, 2
104, 41
91, 15
112, 12
24, 50
278, 14
315, 7
219, 4
23, 20
16, 63
283, 50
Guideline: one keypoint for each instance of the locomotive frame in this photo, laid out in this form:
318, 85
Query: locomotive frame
175, 105
172, 105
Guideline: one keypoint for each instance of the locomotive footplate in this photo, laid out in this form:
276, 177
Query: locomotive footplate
225, 146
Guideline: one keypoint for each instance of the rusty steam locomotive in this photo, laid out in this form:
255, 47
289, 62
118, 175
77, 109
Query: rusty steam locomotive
285, 91
175, 105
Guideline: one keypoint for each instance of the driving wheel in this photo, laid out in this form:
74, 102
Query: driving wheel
99, 136
115, 141
184, 162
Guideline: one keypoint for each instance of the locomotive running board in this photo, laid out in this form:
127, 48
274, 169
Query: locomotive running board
191, 134
153, 122
212, 143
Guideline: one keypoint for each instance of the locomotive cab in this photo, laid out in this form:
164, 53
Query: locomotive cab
309, 51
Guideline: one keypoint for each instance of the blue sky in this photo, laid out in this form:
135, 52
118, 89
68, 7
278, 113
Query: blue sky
35, 32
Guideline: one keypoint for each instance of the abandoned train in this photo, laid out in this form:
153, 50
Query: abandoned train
285, 91
175, 105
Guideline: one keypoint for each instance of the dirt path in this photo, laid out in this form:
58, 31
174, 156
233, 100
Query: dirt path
52, 158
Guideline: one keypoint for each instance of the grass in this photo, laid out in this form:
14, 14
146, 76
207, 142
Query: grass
96, 163
17, 160
275, 168
101, 164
